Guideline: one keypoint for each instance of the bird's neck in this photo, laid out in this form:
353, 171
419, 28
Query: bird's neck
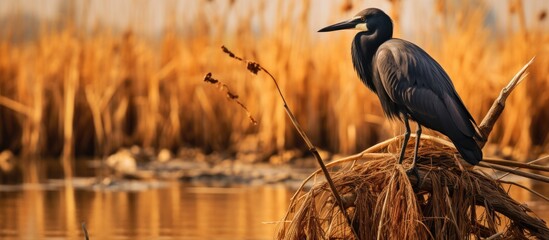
363, 49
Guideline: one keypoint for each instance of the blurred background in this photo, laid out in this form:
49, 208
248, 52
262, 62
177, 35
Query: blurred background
81, 80
89, 77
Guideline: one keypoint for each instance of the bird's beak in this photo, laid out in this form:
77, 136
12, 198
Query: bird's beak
355, 23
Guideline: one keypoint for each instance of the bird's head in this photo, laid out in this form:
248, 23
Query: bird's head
368, 20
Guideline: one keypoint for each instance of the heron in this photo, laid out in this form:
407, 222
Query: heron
410, 84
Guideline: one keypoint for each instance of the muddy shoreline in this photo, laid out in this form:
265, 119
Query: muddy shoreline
191, 165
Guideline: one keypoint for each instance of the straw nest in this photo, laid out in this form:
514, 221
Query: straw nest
452, 201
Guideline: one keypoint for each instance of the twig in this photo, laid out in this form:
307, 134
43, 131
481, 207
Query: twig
516, 172
531, 162
509, 163
526, 188
495, 236
382, 212
255, 68
86, 236
15, 106
230, 95
499, 104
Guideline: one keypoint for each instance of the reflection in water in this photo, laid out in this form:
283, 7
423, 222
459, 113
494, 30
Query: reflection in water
178, 211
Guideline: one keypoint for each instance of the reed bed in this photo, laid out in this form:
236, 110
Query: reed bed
450, 201
88, 93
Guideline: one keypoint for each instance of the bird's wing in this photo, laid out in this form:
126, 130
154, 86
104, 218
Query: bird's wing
412, 79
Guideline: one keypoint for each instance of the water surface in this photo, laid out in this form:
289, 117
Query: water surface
160, 210
177, 211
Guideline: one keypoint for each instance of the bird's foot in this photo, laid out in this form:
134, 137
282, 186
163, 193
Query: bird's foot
413, 170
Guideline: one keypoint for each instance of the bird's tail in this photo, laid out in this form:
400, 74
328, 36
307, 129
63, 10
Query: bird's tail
469, 150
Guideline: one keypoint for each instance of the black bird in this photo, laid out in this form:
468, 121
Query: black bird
410, 84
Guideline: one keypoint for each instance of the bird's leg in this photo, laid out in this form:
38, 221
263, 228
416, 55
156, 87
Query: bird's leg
418, 135
413, 169
406, 138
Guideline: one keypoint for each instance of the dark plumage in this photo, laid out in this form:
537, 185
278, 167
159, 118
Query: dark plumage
410, 84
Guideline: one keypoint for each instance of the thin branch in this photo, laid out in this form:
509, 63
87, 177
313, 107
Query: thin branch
255, 68
509, 163
495, 236
526, 188
230, 95
531, 162
86, 236
15, 106
532, 176
495, 111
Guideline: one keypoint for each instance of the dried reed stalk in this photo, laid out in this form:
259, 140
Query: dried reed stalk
230, 95
254, 68
86, 235
15, 106
71, 85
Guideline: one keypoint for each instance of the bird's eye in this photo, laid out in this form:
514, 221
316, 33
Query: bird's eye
362, 19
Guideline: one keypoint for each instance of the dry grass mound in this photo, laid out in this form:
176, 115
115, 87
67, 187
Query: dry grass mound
451, 201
